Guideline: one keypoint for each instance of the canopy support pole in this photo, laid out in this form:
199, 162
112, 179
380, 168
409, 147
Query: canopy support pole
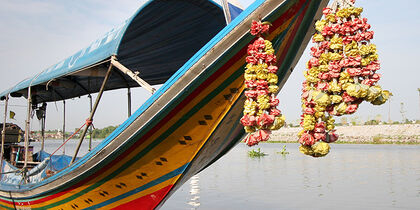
92, 113
64, 126
129, 101
90, 129
133, 75
43, 129
27, 128
3, 134
226, 10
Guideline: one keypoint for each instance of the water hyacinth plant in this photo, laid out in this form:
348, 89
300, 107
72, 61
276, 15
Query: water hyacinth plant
256, 153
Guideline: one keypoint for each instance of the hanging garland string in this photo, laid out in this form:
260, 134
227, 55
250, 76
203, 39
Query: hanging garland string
261, 115
340, 75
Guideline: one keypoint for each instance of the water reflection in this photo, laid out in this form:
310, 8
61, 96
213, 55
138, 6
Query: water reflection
350, 177
194, 192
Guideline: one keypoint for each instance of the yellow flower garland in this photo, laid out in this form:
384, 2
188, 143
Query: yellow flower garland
341, 74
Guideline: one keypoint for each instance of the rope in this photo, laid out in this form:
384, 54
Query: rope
87, 123
9, 172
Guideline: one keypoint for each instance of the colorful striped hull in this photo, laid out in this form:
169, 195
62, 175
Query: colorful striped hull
188, 124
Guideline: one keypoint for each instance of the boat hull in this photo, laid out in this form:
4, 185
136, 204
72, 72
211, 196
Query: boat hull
192, 122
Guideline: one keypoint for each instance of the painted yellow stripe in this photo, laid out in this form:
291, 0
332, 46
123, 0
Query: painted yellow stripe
143, 193
173, 153
178, 152
128, 174
280, 29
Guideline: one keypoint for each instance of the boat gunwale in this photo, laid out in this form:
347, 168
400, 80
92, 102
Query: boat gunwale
295, 59
116, 44
194, 63
293, 63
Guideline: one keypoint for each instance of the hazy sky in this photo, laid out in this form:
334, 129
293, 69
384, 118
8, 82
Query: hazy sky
36, 34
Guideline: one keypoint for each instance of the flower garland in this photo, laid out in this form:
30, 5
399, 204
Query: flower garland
260, 112
340, 75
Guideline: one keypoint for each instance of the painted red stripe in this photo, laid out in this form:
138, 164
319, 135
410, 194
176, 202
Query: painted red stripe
149, 201
292, 11
194, 94
283, 54
288, 14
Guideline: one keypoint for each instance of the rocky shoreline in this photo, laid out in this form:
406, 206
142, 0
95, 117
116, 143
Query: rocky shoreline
376, 134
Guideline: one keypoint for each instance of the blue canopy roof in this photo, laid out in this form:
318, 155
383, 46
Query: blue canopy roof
158, 39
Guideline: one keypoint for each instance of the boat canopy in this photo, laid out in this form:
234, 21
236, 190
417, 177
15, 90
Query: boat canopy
154, 43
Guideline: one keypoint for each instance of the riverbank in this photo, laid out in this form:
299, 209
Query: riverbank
361, 134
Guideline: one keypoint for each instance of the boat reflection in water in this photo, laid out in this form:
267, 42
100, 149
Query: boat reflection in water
194, 192
186, 125
353, 176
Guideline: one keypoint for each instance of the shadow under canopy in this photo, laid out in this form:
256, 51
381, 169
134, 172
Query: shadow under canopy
155, 42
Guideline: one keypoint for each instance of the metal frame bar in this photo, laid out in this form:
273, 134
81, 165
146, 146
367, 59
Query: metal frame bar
27, 128
226, 10
129, 101
133, 75
92, 113
27, 125
90, 129
3, 134
43, 128
119, 73
64, 126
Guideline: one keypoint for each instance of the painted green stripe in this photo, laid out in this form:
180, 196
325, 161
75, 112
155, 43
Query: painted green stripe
178, 74
155, 182
277, 41
276, 15
5, 207
219, 63
159, 140
306, 24
227, 56
238, 138
173, 105
300, 35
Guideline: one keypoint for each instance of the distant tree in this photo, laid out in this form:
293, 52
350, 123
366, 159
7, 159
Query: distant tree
407, 121
354, 120
371, 122
102, 133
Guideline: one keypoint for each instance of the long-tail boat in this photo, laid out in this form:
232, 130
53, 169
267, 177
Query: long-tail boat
187, 124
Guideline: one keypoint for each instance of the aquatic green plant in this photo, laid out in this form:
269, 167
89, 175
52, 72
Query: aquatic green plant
256, 153
283, 151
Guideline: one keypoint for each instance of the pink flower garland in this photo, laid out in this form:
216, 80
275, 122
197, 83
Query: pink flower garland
340, 75
260, 112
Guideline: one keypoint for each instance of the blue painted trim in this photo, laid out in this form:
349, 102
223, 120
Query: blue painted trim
100, 50
145, 106
144, 187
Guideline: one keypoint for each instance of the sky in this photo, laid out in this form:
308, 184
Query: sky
39, 33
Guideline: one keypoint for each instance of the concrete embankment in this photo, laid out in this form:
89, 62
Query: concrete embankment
399, 133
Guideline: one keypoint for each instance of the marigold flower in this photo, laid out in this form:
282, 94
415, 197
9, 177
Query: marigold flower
258, 28
307, 139
351, 108
320, 149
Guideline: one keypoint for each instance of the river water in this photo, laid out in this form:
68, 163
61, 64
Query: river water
350, 177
